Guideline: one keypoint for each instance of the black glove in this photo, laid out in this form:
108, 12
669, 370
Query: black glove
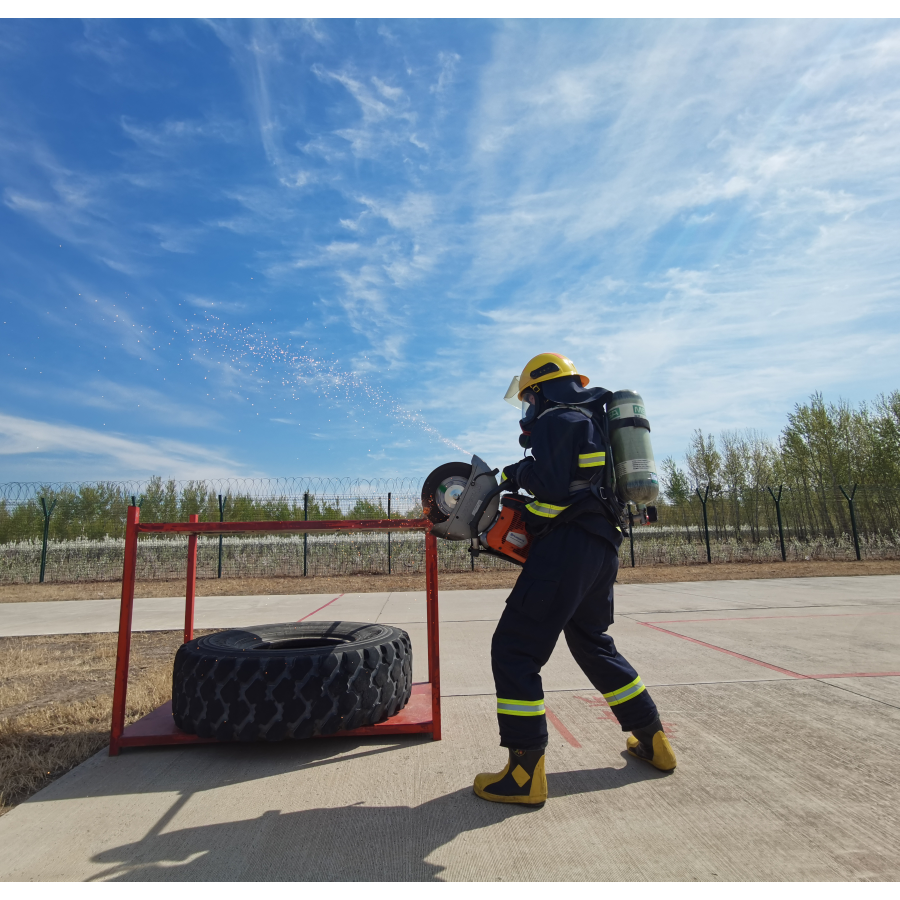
509, 477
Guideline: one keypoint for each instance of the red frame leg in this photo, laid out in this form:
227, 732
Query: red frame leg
126, 613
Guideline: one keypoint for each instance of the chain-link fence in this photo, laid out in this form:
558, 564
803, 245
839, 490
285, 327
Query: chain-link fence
75, 532
791, 522
85, 528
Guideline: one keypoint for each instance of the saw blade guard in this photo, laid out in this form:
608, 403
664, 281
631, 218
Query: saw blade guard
452, 494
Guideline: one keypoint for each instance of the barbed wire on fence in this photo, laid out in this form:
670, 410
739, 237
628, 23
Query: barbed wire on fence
16, 492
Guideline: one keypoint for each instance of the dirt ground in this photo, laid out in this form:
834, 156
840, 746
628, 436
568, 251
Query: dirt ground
56, 700
450, 581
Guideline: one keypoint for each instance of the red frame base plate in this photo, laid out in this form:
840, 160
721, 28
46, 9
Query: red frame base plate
158, 728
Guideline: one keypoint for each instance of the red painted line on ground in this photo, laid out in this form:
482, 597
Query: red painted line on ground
766, 665
320, 608
858, 675
805, 616
555, 722
750, 659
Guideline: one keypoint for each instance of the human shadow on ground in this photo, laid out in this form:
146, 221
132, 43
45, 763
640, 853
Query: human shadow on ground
346, 843
203, 767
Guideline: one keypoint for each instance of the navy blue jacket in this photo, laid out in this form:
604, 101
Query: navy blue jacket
564, 443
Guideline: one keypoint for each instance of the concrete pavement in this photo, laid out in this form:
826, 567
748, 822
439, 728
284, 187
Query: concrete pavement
782, 699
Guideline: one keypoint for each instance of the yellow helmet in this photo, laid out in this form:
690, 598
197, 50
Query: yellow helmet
542, 367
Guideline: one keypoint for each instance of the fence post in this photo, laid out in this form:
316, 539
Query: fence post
47, 514
222, 502
305, 535
389, 534
778, 516
852, 517
631, 532
703, 498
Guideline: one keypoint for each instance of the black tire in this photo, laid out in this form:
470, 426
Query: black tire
297, 680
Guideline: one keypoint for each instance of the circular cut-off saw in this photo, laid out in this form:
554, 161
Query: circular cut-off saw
462, 500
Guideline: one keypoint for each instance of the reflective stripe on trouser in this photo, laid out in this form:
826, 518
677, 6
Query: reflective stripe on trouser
565, 587
589, 460
520, 707
547, 510
629, 692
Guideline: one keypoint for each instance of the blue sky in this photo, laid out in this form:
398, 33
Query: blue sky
324, 248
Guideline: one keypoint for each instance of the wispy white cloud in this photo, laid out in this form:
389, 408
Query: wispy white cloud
108, 455
217, 306
613, 145
758, 154
143, 403
316, 30
169, 137
105, 43
382, 107
92, 208
177, 238
448, 65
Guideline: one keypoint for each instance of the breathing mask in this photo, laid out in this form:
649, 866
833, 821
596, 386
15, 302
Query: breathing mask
530, 404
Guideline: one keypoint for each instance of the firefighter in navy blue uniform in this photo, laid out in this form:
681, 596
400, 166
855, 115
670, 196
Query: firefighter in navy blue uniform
566, 584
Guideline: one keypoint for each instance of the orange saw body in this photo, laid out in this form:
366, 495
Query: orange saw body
463, 503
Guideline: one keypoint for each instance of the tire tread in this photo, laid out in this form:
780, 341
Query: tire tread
271, 696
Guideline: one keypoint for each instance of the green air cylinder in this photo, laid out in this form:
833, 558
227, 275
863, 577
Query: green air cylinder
629, 431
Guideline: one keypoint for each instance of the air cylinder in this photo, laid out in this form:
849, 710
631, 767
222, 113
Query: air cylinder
629, 431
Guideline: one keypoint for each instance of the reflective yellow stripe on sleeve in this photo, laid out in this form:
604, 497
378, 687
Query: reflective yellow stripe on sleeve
589, 460
547, 510
520, 707
628, 692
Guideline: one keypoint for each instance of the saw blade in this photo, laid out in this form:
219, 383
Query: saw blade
442, 490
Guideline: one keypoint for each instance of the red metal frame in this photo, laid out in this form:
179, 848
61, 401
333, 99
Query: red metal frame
422, 715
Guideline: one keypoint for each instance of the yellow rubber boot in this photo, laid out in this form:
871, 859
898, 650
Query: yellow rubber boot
523, 780
651, 745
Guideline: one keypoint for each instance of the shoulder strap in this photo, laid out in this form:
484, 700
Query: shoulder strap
601, 484
580, 409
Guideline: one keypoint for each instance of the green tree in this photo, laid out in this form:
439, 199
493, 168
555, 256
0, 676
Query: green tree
704, 461
366, 509
677, 490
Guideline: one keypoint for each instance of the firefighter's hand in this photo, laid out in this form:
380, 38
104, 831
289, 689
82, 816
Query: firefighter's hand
509, 477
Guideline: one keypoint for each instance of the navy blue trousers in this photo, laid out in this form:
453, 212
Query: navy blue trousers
566, 586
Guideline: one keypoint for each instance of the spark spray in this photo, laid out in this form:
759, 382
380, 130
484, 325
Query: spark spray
299, 371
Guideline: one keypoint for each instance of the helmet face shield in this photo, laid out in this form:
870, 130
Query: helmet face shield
512, 392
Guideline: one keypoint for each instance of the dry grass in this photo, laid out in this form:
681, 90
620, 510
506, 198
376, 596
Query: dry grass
741, 571
56, 698
243, 587
449, 581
